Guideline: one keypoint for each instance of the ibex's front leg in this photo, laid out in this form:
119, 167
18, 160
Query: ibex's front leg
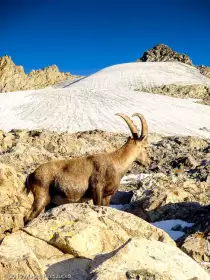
97, 195
98, 198
104, 184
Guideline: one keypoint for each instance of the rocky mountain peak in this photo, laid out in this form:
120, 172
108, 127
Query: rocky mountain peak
13, 77
5, 59
161, 53
48, 69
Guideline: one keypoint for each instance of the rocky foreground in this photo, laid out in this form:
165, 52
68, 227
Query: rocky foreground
13, 77
82, 241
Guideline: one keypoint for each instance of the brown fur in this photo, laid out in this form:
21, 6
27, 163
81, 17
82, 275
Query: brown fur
95, 176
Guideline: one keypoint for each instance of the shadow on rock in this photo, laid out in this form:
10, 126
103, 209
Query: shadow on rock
76, 269
99, 259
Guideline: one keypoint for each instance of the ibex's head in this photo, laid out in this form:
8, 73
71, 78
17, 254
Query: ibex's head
140, 141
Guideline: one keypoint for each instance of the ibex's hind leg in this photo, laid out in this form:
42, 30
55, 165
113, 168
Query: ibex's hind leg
106, 200
41, 200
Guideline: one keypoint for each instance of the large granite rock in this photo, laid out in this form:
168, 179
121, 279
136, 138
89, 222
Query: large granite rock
54, 262
144, 259
17, 261
39, 247
197, 246
133, 258
84, 231
14, 203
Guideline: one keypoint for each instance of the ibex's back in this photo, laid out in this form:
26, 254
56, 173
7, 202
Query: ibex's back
96, 176
59, 175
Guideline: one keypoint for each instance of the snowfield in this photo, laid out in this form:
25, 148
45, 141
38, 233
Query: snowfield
169, 225
92, 102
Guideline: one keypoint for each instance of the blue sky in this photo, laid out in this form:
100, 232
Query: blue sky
82, 37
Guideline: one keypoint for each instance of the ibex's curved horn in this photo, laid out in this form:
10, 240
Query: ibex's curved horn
131, 125
144, 130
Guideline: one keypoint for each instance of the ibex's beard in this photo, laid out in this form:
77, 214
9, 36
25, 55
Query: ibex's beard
143, 164
139, 163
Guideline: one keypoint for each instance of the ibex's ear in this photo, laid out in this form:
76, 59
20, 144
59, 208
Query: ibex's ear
143, 138
135, 136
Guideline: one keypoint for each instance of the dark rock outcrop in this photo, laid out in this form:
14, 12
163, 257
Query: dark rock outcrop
205, 70
163, 53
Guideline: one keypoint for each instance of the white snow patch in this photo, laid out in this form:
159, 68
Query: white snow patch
205, 263
92, 102
117, 206
131, 178
169, 224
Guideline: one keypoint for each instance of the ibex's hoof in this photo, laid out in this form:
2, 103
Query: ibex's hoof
26, 221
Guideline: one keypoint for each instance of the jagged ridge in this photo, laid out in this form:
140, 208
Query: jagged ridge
13, 77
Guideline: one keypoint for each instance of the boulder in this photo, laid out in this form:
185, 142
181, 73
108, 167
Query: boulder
52, 260
14, 202
41, 249
17, 261
145, 259
84, 230
197, 246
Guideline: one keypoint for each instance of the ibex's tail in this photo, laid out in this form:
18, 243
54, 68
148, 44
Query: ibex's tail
27, 185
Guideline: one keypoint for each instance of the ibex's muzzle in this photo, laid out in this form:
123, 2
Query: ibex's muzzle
145, 163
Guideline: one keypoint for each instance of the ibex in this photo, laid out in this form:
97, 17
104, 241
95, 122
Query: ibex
95, 176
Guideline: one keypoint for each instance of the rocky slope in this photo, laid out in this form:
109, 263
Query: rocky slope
13, 78
199, 92
177, 186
